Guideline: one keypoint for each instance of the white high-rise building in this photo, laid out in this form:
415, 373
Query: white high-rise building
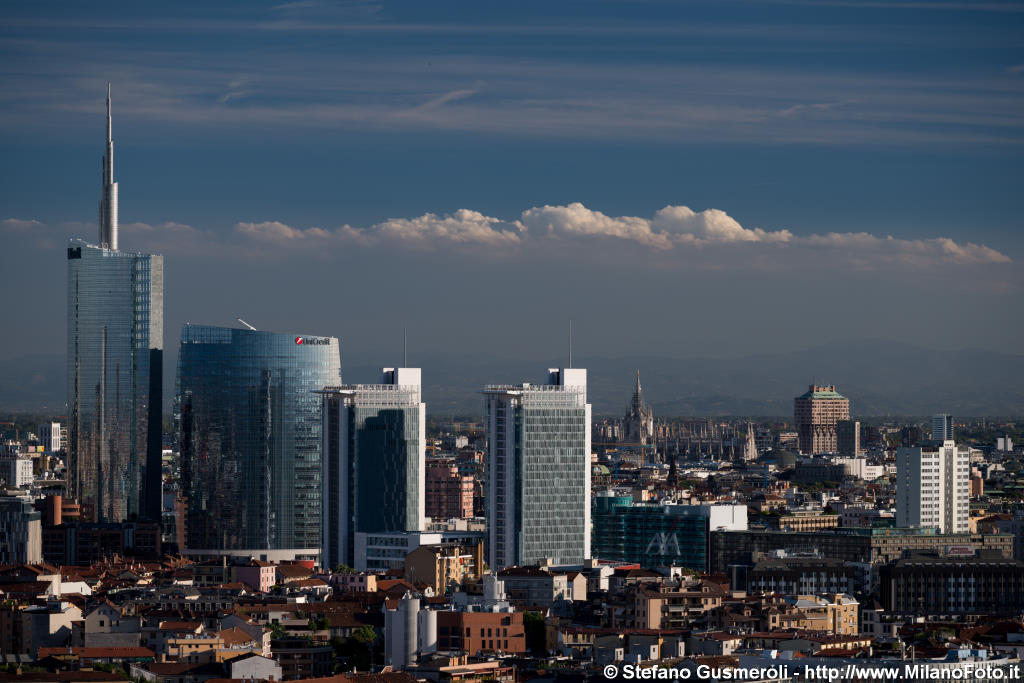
51, 436
942, 427
374, 462
538, 471
933, 487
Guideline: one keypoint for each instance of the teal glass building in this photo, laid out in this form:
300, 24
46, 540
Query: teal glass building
657, 535
114, 379
249, 434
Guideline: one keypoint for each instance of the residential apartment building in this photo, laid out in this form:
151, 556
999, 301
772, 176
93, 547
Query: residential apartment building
933, 487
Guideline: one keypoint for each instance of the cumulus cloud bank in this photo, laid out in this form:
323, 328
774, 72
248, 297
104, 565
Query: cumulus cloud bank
673, 231
669, 229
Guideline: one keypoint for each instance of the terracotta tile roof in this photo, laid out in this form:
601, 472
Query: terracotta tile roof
25, 587
236, 636
180, 625
293, 571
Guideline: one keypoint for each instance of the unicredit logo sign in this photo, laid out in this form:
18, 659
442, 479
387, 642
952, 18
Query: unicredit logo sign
312, 340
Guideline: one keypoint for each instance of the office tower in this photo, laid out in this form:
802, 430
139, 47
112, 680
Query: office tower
52, 436
249, 433
933, 487
373, 465
848, 438
538, 471
115, 369
816, 413
942, 427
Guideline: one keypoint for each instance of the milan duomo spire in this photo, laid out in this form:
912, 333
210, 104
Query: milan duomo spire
108, 200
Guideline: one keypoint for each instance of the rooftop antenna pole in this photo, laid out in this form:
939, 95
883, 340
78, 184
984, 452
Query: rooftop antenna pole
246, 324
570, 343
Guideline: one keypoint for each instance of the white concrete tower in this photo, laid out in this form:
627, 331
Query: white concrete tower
108, 200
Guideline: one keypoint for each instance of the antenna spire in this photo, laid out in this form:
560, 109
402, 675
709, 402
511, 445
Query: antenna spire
108, 197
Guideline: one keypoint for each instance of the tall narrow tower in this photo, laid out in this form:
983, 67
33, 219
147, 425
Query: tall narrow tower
108, 200
115, 370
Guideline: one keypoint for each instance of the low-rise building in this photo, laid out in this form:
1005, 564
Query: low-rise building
444, 566
958, 581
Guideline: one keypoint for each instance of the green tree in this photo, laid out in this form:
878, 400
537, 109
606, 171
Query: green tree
535, 630
357, 651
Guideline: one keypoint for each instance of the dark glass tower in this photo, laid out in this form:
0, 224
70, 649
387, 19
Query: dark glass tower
249, 433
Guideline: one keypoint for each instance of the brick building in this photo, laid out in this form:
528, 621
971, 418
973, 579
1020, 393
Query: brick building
449, 493
816, 413
489, 632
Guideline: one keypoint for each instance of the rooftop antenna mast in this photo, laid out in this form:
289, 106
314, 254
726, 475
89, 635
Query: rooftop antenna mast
570, 343
246, 324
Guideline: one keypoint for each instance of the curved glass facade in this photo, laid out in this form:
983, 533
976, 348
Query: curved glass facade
249, 433
115, 366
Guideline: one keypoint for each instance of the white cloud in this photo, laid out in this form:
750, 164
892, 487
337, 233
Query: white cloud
673, 231
577, 220
20, 225
276, 231
711, 226
915, 252
462, 227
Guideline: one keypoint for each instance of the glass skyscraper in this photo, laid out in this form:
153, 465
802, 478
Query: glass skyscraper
115, 369
538, 471
249, 433
115, 366
374, 461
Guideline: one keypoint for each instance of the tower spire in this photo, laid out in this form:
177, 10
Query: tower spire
108, 198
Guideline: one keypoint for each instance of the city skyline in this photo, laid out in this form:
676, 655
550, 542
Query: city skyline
497, 219
806, 199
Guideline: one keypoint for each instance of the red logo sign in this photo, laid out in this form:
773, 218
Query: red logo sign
299, 340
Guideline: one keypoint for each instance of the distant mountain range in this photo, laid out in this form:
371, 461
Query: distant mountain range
879, 377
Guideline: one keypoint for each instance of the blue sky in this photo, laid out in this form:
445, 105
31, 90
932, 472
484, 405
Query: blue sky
680, 178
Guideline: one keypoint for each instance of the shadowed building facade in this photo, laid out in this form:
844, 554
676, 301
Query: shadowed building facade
374, 461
